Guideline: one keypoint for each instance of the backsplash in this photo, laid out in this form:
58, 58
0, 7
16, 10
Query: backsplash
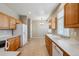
5, 32
75, 33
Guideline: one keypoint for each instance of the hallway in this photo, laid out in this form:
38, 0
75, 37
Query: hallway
36, 47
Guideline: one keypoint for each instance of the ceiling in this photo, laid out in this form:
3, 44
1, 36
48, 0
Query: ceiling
35, 11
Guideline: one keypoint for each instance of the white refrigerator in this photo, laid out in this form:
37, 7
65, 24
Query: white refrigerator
21, 29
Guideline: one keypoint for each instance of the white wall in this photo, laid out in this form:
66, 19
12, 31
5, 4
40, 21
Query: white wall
39, 30
10, 12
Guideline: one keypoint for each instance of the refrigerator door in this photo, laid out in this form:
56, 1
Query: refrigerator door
21, 30
24, 38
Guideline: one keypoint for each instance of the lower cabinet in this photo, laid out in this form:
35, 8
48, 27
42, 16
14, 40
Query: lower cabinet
12, 44
53, 49
48, 45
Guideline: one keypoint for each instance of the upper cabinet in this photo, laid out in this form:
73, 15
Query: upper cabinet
4, 21
71, 15
53, 23
7, 22
49, 23
18, 21
12, 23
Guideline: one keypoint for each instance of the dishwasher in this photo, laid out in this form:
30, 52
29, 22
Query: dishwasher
56, 50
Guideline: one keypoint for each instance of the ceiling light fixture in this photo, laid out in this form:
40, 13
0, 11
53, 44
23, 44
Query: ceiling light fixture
41, 23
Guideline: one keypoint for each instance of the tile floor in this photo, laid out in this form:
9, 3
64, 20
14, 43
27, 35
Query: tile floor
35, 47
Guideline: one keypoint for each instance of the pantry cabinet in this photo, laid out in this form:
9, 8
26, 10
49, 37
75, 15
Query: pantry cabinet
4, 21
71, 15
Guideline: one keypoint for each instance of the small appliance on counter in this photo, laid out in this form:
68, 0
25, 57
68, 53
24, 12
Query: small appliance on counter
2, 43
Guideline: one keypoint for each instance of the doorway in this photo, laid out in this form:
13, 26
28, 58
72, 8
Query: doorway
39, 28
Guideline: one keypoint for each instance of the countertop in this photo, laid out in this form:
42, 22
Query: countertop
5, 37
71, 47
8, 53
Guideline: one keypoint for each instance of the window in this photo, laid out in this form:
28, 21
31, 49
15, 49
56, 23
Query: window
60, 24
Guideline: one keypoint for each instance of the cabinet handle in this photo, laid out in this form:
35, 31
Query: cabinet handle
7, 45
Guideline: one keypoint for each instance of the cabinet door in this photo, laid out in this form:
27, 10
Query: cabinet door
49, 23
4, 21
18, 21
48, 45
17, 42
71, 14
13, 43
12, 23
53, 23
50, 48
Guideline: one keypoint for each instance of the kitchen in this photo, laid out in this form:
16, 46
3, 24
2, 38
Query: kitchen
59, 30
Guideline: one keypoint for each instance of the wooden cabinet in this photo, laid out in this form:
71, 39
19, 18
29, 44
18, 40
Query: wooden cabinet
48, 45
8, 22
71, 15
17, 42
4, 21
49, 23
18, 21
12, 23
53, 23
53, 48
13, 43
